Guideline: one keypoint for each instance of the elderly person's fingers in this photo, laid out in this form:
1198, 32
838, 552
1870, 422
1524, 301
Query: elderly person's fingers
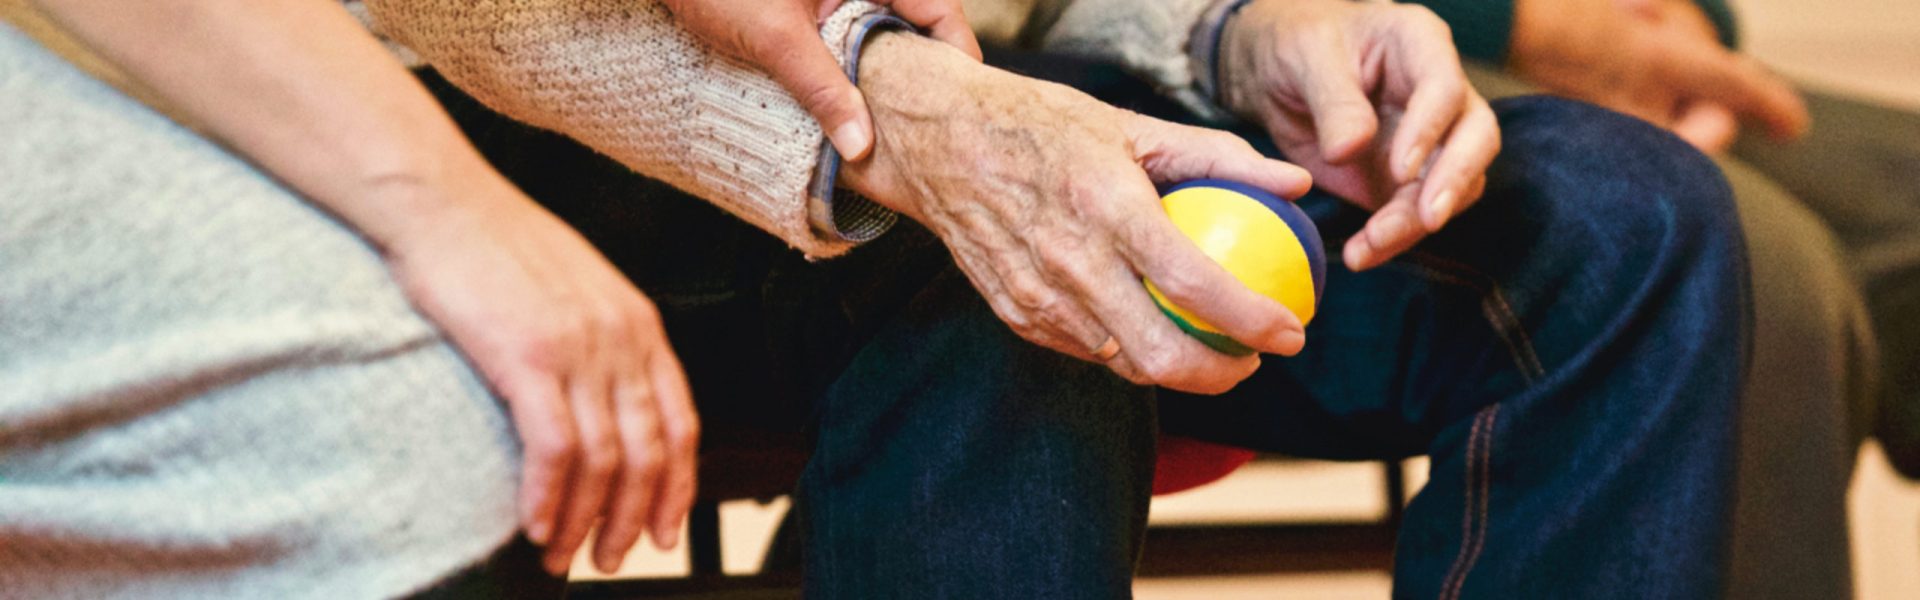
1147, 347
1172, 153
1433, 91
1178, 268
1469, 150
1393, 229
1343, 118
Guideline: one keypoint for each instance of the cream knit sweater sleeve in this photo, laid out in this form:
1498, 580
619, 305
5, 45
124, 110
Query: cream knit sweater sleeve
623, 78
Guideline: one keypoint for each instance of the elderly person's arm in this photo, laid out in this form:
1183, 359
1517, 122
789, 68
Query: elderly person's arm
1045, 195
579, 355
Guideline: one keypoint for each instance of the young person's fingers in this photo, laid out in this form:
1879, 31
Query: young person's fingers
680, 434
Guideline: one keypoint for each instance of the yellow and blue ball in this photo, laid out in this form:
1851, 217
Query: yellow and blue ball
1262, 240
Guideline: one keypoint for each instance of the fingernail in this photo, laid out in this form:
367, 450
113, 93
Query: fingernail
1355, 253
608, 563
668, 537
1291, 342
1440, 210
1410, 164
557, 564
538, 533
851, 140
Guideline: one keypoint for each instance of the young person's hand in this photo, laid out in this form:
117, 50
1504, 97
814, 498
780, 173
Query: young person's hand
1372, 100
1660, 60
602, 409
1046, 198
782, 38
300, 88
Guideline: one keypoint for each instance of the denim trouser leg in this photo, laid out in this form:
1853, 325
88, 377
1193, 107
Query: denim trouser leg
956, 460
1810, 390
1569, 352
951, 459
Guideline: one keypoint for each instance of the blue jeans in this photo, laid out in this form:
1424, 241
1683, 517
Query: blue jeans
1568, 351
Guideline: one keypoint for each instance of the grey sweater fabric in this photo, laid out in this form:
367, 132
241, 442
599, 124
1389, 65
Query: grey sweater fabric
208, 387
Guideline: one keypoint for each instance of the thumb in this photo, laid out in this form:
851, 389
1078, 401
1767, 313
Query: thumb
803, 66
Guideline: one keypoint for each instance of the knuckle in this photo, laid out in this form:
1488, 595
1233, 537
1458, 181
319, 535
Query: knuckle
1179, 284
548, 345
1229, 142
685, 438
1030, 294
552, 450
1156, 366
1060, 256
608, 319
644, 312
601, 459
1421, 17
823, 99
650, 461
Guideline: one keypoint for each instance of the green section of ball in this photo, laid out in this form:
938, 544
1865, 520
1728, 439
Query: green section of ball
1214, 340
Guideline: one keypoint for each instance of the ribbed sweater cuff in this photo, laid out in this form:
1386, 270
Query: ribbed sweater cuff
837, 213
1203, 50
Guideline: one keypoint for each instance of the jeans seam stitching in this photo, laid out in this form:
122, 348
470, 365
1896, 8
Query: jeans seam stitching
1493, 305
1479, 481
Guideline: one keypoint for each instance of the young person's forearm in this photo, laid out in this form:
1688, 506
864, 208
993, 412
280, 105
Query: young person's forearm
299, 88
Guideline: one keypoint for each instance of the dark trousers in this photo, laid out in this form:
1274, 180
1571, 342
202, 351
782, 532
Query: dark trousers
1568, 351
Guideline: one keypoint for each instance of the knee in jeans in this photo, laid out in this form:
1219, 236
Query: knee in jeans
1632, 186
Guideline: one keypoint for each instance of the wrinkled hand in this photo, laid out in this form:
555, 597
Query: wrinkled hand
782, 38
597, 397
1659, 60
1372, 100
1046, 199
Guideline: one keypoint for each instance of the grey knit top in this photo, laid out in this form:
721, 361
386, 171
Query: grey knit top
208, 388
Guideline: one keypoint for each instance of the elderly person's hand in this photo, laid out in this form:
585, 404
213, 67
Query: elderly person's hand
782, 38
1659, 60
1046, 199
1372, 100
